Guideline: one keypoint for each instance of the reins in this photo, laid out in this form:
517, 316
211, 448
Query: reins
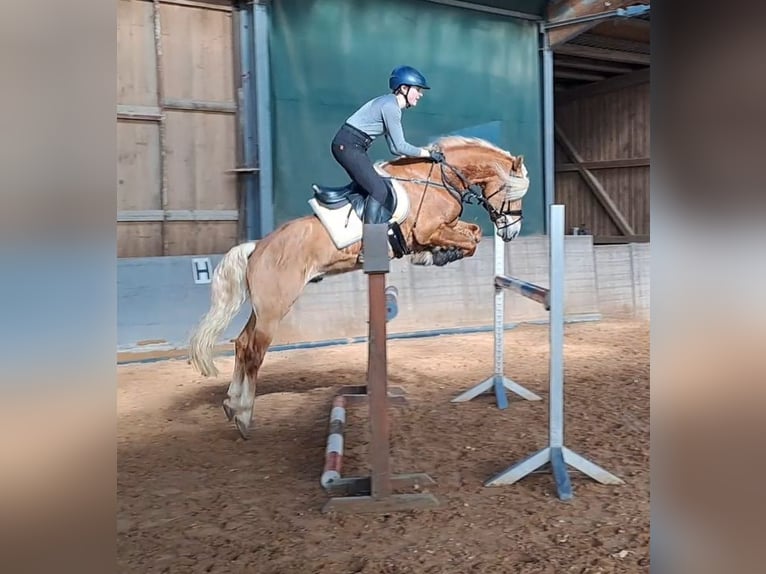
472, 195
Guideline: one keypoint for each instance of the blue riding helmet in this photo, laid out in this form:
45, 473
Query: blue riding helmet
408, 76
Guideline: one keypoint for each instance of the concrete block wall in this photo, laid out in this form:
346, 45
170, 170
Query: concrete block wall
457, 295
159, 302
622, 279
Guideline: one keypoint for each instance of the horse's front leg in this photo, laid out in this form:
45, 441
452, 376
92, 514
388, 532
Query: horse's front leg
450, 243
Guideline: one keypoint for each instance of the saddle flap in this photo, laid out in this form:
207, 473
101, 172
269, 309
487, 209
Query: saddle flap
390, 203
334, 197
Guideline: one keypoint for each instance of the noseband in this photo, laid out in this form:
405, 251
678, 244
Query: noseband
474, 194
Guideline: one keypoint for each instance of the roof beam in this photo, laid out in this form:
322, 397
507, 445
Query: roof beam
631, 29
568, 9
604, 54
610, 43
577, 75
603, 87
579, 64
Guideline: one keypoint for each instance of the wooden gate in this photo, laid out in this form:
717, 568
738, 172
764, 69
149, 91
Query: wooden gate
176, 128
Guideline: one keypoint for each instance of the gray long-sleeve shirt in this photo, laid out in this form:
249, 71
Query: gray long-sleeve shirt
383, 116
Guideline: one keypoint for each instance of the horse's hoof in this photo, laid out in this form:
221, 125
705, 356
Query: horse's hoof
228, 410
443, 257
244, 431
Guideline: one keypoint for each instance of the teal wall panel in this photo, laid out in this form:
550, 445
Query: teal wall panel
330, 56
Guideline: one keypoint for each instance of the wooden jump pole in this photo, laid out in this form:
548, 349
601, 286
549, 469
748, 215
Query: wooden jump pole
376, 492
334, 451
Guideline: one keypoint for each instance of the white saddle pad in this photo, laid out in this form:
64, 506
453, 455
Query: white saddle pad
343, 224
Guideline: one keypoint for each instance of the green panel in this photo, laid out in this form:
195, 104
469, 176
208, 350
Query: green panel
330, 56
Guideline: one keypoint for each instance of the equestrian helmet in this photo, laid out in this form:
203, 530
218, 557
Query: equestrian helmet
407, 76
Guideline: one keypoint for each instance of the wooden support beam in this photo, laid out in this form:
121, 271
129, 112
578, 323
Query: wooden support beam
159, 70
603, 87
611, 43
633, 29
568, 9
581, 64
220, 5
138, 113
595, 185
604, 54
603, 164
576, 75
200, 106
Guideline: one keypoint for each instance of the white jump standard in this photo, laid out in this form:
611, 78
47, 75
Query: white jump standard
498, 381
555, 453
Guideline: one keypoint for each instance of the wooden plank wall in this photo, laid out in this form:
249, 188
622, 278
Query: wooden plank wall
610, 126
176, 195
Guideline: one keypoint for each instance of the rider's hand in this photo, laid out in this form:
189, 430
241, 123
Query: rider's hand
436, 156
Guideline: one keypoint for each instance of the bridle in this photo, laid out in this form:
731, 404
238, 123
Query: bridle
473, 194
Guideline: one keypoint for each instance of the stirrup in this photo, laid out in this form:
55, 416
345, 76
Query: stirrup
397, 246
397, 241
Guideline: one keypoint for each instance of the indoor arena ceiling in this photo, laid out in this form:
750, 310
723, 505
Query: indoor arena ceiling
594, 56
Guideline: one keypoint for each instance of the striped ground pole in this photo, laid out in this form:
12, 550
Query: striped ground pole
334, 451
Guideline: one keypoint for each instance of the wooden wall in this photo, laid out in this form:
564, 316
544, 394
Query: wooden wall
611, 134
176, 128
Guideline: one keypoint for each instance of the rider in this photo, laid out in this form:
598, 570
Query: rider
380, 116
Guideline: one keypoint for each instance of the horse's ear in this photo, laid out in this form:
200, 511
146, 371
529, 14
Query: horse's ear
518, 162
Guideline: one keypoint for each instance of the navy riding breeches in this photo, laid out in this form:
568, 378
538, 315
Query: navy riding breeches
349, 148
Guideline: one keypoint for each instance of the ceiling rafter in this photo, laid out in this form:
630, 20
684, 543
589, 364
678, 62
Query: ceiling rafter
567, 9
604, 86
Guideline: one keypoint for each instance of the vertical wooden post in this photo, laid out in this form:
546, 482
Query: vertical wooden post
377, 489
162, 124
377, 380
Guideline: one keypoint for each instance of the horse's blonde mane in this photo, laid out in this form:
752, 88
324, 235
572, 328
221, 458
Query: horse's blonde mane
458, 141
453, 142
516, 186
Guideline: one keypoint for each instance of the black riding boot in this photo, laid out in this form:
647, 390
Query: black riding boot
374, 212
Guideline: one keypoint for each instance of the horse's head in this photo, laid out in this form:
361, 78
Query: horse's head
490, 176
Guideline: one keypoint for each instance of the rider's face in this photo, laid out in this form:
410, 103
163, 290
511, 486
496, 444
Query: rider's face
413, 95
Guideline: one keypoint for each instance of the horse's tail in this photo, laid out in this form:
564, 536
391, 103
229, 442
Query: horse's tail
227, 293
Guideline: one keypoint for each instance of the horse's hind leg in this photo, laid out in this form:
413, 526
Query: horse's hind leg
250, 349
232, 400
235, 390
280, 257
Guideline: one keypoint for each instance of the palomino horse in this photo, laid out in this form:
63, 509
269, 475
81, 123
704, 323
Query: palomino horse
274, 270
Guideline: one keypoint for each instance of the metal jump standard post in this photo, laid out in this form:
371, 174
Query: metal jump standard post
498, 382
555, 454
